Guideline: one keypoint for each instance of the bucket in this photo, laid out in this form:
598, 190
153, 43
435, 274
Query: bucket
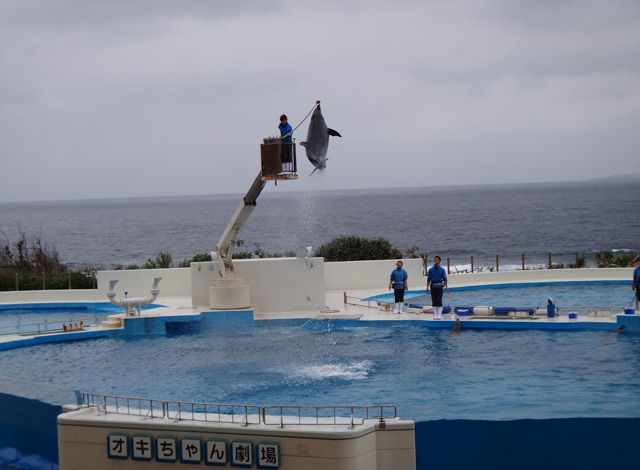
629, 311
463, 311
573, 315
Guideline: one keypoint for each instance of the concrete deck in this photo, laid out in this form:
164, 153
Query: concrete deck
354, 311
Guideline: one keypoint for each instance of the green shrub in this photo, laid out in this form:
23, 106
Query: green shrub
352, 248
201, 258
580, 263
162, 261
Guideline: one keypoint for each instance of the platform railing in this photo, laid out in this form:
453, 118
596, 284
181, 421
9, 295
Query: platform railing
212, 412
349, 415
54, 326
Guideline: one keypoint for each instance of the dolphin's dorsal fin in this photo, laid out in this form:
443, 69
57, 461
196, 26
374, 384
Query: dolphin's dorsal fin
333, 133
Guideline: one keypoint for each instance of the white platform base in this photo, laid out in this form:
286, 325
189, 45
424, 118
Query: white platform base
229, 294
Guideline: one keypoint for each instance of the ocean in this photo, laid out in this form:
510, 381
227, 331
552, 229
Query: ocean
450, 221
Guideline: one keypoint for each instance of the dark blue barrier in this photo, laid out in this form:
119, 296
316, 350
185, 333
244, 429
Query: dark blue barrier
585, 443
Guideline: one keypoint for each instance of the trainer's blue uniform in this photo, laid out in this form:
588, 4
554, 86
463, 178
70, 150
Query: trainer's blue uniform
399, 278
437, 277
636, 282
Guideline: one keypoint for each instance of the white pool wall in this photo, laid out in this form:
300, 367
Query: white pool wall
293, 284
82, 438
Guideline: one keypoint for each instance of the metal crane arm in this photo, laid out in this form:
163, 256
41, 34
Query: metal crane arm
227, 240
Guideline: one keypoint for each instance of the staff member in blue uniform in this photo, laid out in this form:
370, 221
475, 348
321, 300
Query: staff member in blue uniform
287, 143
636, 284
399, 282
437, 280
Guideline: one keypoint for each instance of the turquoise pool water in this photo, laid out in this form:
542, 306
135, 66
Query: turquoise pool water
569, 296
428, 373
29, 318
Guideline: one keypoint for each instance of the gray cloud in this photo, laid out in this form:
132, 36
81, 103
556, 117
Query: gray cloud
110, 99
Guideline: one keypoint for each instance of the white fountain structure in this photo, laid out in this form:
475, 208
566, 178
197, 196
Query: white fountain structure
133, 304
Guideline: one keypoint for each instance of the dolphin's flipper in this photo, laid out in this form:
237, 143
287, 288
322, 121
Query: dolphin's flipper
333, 133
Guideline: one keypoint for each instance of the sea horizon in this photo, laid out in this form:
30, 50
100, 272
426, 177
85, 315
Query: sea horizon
621, 178
456, 221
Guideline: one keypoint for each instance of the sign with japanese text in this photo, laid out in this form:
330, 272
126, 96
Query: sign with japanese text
193, 450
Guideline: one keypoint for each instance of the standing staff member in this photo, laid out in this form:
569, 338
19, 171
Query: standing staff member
437, 279
398, 281
636, 284
287, 143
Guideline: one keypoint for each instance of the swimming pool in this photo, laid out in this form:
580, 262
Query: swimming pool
429, 374
569, 296
29, 318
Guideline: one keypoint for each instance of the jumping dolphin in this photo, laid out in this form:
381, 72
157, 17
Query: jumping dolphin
317, 142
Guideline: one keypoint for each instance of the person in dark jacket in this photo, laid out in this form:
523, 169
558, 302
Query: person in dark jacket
399, 282
287, 143
437, 281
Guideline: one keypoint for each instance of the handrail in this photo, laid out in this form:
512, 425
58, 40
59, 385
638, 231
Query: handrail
350, 415
38, 325
562, 307
326, 414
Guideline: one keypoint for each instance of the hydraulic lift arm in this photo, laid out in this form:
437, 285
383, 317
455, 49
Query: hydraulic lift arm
227, 240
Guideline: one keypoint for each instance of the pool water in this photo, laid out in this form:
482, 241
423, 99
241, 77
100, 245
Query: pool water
49, 317
569, 296
428, 373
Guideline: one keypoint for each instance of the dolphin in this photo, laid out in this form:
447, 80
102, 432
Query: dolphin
457, 327
317, 142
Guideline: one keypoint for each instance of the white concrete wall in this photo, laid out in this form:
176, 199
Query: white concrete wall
292, 284
82, 442
46, 296
363, 275
275, 284
355, 275
176, 282
542, 275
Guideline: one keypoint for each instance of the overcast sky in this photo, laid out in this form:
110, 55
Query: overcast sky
123, 98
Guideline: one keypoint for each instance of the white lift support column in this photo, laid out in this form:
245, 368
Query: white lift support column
227, 241
229, 291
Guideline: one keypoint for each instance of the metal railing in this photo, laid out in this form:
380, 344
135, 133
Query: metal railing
240, 414
54, 326
490, 266
30, 280
351, 415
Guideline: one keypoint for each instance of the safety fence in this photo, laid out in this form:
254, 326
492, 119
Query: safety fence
48, 327
350, 415
47, 281
519, 263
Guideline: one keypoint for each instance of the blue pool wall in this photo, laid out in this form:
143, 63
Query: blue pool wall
478, 444
585, 443
28, 422
182, 324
